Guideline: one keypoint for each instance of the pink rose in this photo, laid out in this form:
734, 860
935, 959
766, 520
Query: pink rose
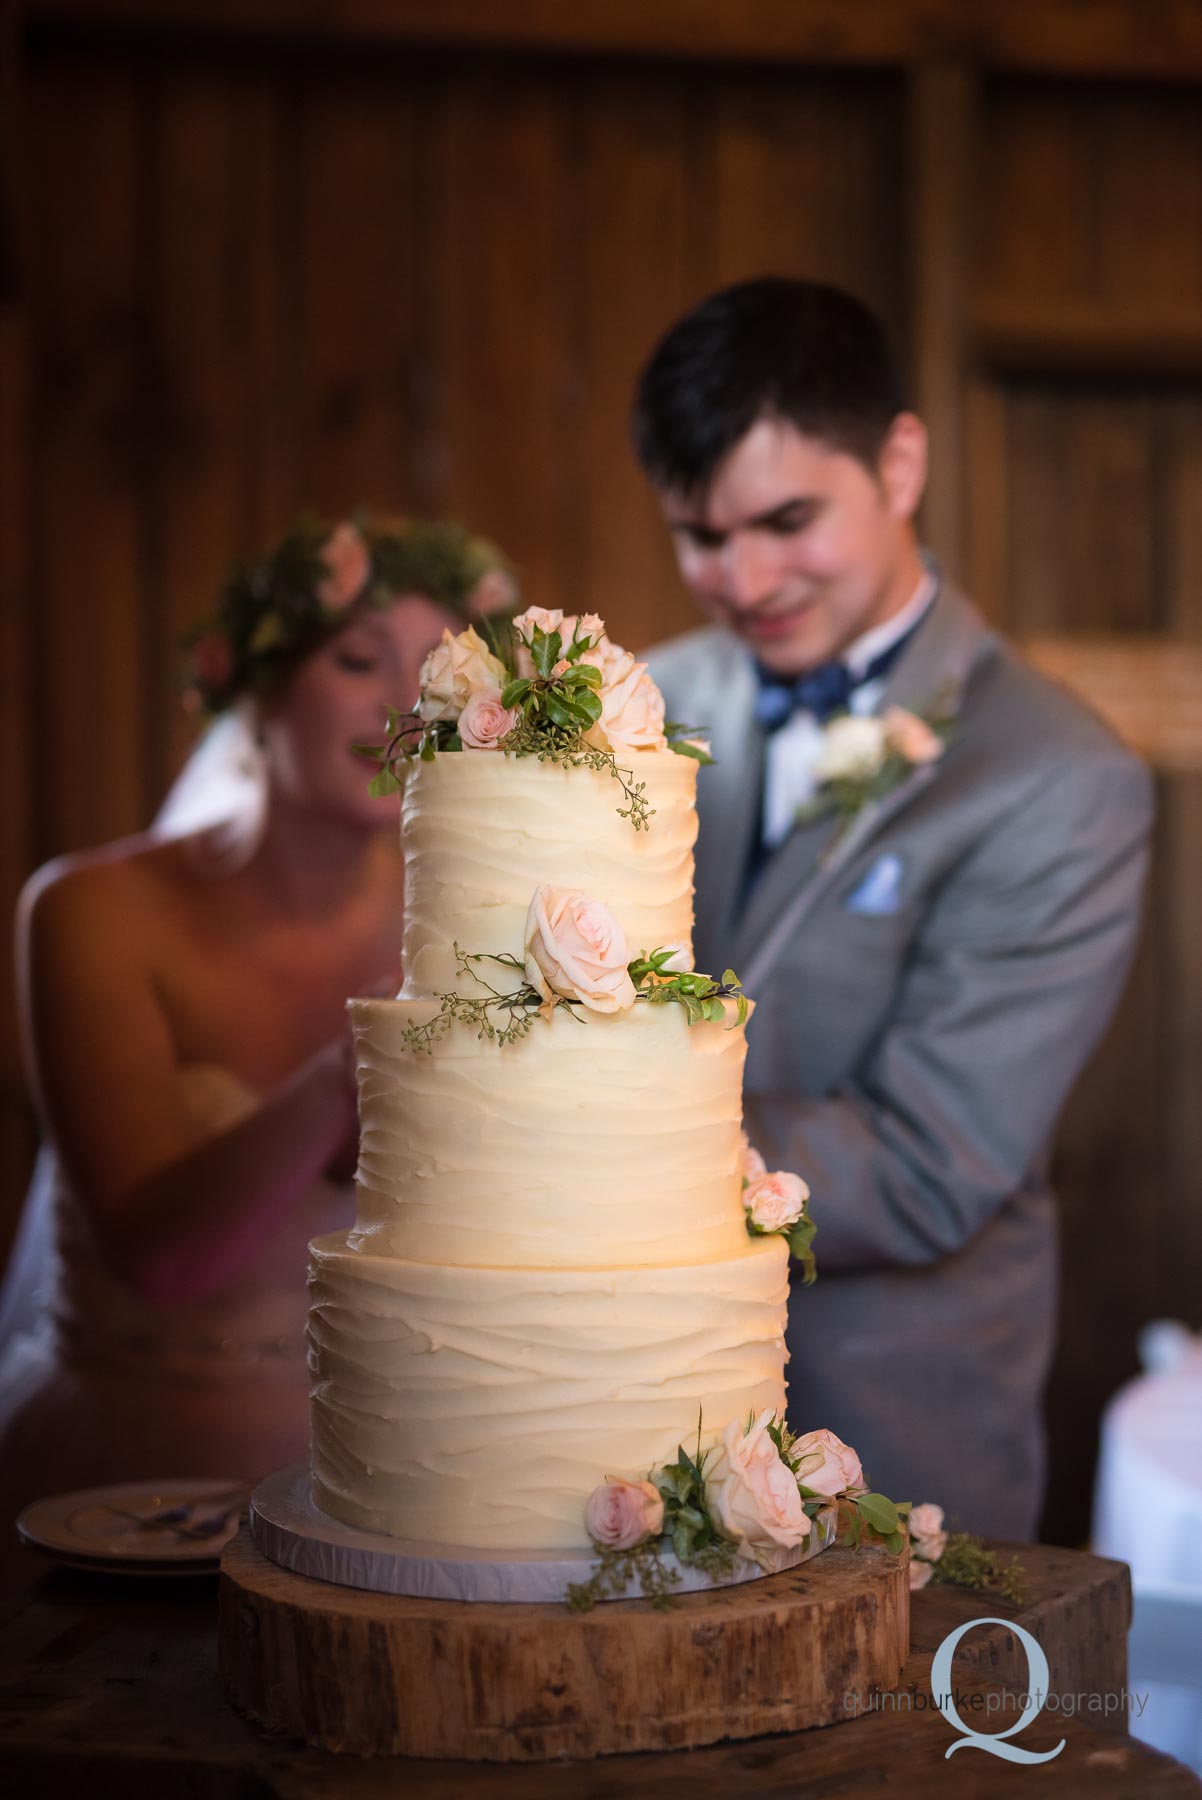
751, 1163
752, 1495
928, 1539
775, 1202
926, 1520
591, 626
575, 947
620, 1514
494, 592
828, 1465
348, 560
212, 659
484, 721
455, 669
920, 1574
632, 707
911, 737
545, 618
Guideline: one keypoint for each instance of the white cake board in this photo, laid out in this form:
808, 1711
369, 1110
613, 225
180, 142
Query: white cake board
290, 1529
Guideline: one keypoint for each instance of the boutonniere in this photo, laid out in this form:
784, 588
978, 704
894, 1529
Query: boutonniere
864, 757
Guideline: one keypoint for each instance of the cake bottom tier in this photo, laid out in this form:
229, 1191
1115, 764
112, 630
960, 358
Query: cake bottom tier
480, 1407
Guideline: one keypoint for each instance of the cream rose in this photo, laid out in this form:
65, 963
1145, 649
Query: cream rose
456, 669
920, 1574
775, 1202
853, 749
546, 620
751, 1163
348, 565
484, 721
751, 1494
575, 947
911, 737
620, 1514
827, 1464
680, 962
632, 707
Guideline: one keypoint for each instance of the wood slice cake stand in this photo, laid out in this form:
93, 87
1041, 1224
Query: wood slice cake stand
378, 1674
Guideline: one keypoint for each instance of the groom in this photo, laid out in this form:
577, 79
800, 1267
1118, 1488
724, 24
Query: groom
932, 966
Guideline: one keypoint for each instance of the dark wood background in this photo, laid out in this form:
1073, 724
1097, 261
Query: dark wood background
260, 255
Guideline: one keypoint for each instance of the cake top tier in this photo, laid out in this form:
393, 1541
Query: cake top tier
481, 833
538, 755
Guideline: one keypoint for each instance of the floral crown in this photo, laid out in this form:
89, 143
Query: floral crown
273, 612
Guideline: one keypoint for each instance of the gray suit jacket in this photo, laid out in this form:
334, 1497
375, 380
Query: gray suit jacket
910, 1062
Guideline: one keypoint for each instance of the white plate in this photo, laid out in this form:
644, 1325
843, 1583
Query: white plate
102, 1528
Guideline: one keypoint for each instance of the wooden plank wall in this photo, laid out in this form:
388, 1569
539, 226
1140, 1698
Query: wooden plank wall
268, 278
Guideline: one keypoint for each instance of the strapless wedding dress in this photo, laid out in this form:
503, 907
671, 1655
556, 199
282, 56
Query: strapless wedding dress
99, 1385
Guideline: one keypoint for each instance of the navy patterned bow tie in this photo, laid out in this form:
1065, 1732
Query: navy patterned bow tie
823, 691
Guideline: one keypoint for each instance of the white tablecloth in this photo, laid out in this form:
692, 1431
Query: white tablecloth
1148, 1513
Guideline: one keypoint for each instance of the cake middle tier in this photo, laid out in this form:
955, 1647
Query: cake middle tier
481, 831
481, 1407
605, 1141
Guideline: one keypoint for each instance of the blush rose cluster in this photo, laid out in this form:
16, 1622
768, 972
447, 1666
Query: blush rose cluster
756, 1495
462, 680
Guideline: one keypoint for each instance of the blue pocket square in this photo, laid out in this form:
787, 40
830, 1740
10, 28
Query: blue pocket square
879, 894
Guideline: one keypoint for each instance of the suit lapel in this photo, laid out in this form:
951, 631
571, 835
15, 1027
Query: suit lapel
933, 670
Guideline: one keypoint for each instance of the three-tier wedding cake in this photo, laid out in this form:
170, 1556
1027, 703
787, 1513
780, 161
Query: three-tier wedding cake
558, 1273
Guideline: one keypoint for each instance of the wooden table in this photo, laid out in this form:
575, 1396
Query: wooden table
108, 1687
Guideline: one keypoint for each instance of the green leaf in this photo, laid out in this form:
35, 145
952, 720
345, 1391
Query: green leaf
384, 783
560, 710
373, 752
588, 703
730, 979
879, 1512
515, 691
427, 751
584, 675
545, 647
699, 756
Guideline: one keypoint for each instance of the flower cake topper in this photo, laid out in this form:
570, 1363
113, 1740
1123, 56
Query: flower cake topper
545, 684
273, 612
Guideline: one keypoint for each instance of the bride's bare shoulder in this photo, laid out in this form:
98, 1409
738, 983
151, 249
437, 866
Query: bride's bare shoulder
123, 888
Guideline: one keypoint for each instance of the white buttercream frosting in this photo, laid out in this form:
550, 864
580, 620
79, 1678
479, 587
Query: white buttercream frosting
480, 1407
550, 1273
614, 1138
481, 830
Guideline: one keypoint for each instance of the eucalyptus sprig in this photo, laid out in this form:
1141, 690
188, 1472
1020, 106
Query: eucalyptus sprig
967, 1562
522, 1005
701, 996
616, 1569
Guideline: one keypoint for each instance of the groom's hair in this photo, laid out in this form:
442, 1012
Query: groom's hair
800, 352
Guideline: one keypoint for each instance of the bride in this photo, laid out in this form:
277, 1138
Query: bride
183, 1002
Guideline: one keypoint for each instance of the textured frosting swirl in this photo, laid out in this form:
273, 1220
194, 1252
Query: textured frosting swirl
480, 831
467, 1406
609, 1141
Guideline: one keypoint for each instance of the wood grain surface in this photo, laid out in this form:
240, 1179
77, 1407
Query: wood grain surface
109, 1688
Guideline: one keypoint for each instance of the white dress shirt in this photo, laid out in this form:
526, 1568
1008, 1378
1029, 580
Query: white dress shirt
791, 755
